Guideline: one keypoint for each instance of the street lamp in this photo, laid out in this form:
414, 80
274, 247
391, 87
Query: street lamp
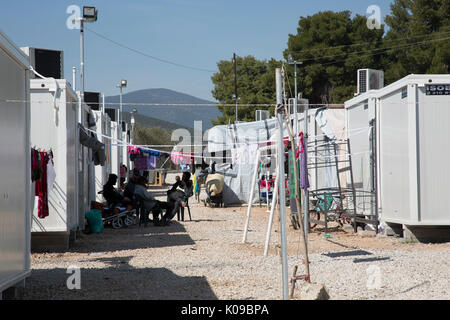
132, 124
132, 133
89, 15
305, 136
123, 84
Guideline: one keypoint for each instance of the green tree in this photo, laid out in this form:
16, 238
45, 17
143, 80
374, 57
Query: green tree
153, 136
416, 26
332, 46
255, 85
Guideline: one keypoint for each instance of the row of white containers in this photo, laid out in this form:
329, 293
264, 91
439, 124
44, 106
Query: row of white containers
44, 113
54, 124
411, 119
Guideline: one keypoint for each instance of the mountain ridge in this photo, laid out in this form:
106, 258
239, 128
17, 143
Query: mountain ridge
195, 109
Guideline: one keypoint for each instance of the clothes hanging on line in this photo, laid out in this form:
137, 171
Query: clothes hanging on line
90, 141
304, 181
151, 152
35, 167
267, 185
51, 174
42, 173
291, 177
178, 157
134, 150
144, 162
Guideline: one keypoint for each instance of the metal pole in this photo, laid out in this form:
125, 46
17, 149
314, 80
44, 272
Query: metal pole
74, 78
132, 139
82, 60
120, 115
119, 134
281, 181
235, 88
91, 184
306, 192
103, 103
295, 106
272, 211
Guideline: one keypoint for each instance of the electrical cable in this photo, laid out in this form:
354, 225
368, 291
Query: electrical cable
372, 50
365, 43
147, 55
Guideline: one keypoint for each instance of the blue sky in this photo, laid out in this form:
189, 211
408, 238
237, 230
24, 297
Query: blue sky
196, 33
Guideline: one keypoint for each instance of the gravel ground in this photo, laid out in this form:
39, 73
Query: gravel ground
205, 259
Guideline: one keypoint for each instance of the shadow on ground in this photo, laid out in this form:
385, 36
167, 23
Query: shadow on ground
117, 280
131, 238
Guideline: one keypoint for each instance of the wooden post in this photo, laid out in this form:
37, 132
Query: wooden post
297, 196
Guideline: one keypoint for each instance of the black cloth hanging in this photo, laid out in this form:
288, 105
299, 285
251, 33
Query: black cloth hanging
98, 148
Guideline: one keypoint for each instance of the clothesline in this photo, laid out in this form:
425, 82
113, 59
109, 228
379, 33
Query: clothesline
338, 155
355, 131
331, 106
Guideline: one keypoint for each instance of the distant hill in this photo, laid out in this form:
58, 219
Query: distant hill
180, 115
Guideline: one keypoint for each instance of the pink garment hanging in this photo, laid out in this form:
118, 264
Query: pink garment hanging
301, 145
134, 150
178, 157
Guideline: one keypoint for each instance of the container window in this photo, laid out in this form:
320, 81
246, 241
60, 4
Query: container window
404, 92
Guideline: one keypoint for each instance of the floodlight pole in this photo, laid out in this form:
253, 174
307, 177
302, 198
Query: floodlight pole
90, 161
235, 88
82, 60
281, 181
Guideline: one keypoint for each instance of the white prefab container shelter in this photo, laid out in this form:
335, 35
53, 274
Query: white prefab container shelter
84, 182
108, 146
411, 123
54, 125
15, 169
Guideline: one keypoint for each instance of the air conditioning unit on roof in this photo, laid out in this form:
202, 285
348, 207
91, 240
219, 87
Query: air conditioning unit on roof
300, 105
49, 63
369, 79
262, 115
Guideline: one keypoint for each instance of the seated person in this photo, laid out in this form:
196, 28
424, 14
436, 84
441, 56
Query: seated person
178, 199
112, 196
154, 205
185, 183
178, 196
123, 175
131, 185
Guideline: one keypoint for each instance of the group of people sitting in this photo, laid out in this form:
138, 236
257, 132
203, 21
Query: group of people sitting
135, 193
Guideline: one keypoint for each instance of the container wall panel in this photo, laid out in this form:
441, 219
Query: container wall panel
14, 170
394, 153
434, 150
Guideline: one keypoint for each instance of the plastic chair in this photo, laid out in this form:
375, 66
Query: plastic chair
180, 211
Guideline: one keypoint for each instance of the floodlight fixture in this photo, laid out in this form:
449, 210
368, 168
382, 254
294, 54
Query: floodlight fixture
90, 14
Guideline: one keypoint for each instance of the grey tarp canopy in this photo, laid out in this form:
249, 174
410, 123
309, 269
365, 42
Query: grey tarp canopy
238, 176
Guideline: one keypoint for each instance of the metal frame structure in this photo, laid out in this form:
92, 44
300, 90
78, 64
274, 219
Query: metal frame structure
343, 206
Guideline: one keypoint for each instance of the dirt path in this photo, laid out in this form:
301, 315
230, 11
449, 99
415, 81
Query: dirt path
205, 259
